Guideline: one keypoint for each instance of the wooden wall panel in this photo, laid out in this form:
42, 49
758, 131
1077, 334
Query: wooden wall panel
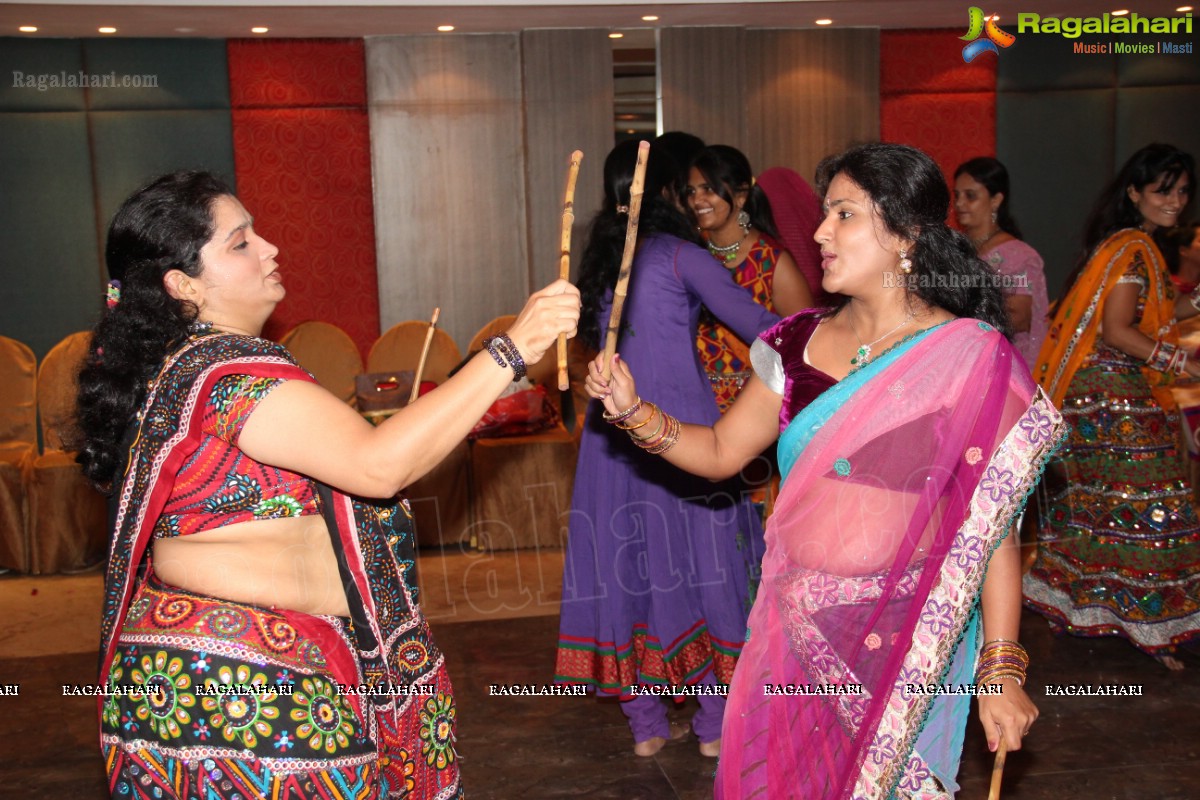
568, 89
703, 75
448, 168
810, 93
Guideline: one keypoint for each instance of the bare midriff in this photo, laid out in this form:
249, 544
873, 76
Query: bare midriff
277, 563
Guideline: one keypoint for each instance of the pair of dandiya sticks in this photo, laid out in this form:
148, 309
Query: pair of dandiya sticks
636, 189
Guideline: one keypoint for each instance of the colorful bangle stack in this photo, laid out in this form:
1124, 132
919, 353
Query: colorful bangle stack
1002, 658
1167, 357
506, 354
664, 436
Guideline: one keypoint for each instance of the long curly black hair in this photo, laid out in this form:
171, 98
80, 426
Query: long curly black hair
601, 260
910, 196
727, 170
161, 227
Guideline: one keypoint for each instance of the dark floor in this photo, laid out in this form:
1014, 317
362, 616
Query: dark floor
1126, 748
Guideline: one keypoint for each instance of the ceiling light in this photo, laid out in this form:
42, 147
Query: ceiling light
259, 29
650, 18
1181, 9
630, 130
1120, 13
28, 29
445, 28
995, 17
615, 35
824, 22
107, 30
185, 30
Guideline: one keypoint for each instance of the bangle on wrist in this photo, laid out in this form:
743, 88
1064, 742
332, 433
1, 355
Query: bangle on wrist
621, 416
506, 354
643, 423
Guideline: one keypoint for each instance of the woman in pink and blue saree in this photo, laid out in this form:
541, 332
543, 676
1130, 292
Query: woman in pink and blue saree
890, 589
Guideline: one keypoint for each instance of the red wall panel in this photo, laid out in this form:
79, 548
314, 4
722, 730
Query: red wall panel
932, 99
302, 152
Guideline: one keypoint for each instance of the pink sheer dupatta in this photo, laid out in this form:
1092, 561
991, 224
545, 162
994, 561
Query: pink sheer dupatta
903, 479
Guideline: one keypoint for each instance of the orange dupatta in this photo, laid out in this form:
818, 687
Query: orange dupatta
1076, 322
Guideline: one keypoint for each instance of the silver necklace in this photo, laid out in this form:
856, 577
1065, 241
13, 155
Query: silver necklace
725, 253
863, 354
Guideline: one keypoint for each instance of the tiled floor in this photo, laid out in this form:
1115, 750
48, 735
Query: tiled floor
495, 616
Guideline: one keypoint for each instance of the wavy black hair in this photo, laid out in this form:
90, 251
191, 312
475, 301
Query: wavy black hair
161, 227
1115, 210
601, 259
727, 170
910, 196
993, 176
682, 147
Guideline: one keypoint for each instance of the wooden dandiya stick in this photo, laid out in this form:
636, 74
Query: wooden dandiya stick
564, 257
635, 209
998, 771
416, 387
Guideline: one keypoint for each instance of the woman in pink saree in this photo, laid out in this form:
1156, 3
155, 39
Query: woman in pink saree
912, 435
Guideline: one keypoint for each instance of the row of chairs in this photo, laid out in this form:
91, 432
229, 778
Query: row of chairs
51, 519
502, 493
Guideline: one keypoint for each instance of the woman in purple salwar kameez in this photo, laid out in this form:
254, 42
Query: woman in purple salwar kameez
660, 566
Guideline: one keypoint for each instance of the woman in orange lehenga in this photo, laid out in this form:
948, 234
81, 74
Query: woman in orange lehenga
1121, 553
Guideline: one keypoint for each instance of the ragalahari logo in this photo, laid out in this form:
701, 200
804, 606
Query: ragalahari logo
979, 25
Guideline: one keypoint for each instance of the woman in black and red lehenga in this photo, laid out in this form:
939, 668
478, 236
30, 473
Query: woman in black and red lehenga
249, 583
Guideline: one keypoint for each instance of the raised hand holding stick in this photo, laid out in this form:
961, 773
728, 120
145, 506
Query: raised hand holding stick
635, 209
564, 258
416, 386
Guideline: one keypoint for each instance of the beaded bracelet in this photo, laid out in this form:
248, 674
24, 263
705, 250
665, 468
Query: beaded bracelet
621, 416
501, 347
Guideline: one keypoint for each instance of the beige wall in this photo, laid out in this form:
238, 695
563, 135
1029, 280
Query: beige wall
783, 97
470, 137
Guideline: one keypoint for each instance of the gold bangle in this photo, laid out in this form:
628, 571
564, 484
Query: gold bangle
653, 409
638, 440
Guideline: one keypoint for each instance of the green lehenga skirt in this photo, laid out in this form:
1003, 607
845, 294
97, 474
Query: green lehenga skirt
1119, 554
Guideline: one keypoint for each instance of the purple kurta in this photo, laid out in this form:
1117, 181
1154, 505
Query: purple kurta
660, 564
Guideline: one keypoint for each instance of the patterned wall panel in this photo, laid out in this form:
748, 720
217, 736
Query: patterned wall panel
933, 100
303, 154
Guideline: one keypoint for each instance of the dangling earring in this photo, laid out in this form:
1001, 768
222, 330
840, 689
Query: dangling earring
743, 221
995, 216
905, 261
